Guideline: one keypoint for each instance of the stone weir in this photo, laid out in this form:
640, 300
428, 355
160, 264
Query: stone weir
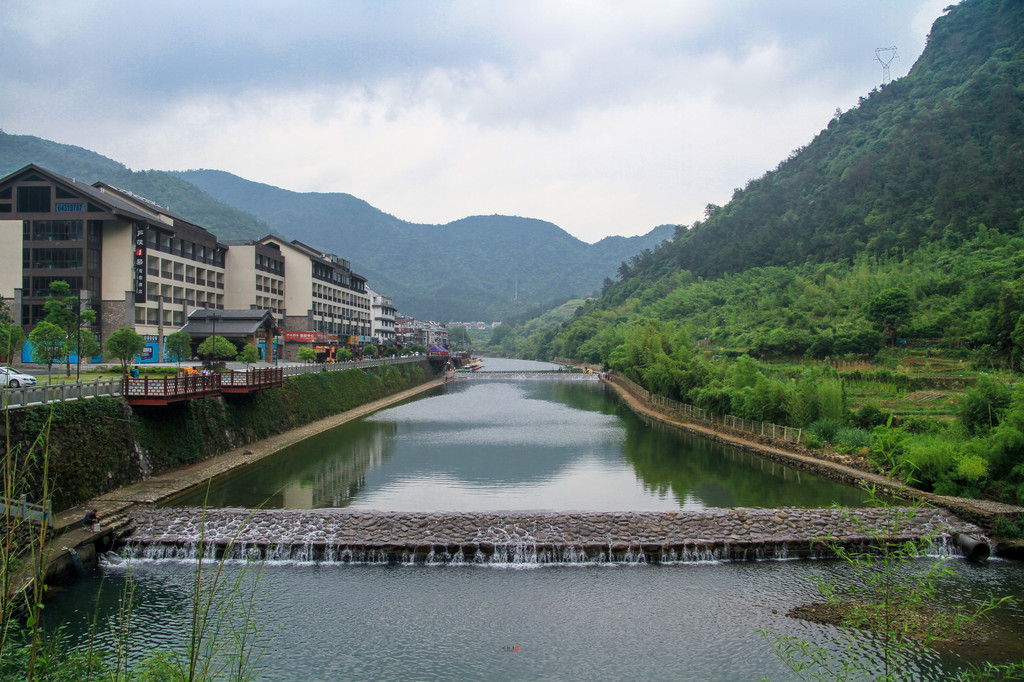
333, 535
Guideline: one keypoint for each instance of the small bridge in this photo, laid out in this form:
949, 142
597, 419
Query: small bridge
532, 374
337, 535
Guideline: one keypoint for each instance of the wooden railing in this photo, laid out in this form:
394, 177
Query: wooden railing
159, 391
252, 379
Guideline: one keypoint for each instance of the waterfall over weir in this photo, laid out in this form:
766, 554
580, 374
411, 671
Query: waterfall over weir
529, 538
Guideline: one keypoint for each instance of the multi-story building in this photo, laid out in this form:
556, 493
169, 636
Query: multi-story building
137, 264
256, 277
326, 303
383, 313
141, 266
410, 331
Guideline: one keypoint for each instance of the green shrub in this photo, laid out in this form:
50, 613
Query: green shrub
934, 460
811, 440
918, 425
1007, 527
983, 407
826, 429
868, 416
972, 468
852, 439
831, 400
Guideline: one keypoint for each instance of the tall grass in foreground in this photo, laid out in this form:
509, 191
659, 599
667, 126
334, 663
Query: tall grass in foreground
887, 611
224, 641
23, 557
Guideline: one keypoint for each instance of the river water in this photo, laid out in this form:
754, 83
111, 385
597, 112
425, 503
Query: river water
515, 443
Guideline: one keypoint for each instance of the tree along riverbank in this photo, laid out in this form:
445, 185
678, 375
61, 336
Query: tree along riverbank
980, 512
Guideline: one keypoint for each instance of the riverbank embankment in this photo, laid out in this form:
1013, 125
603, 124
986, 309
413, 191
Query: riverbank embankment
978, 512
115, 508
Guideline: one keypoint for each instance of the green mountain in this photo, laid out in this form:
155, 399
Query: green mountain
930, 157
919, 187
17, 151
482, 267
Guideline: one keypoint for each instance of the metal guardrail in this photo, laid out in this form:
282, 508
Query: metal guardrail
29, 396
295, 370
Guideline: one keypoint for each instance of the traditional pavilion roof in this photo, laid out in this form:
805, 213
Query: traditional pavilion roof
235, 323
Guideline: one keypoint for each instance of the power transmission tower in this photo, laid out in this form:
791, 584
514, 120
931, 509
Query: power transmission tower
885, 57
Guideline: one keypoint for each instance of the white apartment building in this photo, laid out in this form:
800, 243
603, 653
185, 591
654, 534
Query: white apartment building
383, 313
255, 277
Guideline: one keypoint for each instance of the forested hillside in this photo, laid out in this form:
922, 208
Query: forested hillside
482, 267
899, 227
17, 151
930, 157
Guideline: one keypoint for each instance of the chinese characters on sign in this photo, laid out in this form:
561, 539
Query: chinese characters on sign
140, 263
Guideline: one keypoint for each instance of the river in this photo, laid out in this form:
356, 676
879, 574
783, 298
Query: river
515, 443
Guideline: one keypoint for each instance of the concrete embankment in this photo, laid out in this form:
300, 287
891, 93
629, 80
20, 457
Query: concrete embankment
531, 537
116, 507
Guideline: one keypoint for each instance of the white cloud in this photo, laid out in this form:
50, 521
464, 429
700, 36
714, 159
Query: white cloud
602, 117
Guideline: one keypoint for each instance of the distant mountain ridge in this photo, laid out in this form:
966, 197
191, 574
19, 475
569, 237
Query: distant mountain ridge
506, 262
480, 267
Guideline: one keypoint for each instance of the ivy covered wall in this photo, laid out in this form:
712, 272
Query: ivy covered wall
100, 444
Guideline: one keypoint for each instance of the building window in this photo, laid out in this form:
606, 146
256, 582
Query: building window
41, 285
44, 259
54, 230
33, 199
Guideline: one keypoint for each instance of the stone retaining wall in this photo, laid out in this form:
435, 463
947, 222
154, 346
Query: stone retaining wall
530, 537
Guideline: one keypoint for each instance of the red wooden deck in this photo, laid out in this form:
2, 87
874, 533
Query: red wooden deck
251, 380
148, 391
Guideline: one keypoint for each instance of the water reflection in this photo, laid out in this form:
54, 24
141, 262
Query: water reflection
701, 473
496, 444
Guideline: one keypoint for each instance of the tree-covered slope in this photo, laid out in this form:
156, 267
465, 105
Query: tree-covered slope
930, 157
17, 151
480, 267
920, 187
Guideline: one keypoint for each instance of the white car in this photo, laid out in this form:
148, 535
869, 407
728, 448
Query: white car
13, 378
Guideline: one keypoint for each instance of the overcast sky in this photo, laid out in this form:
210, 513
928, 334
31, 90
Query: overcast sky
606, 118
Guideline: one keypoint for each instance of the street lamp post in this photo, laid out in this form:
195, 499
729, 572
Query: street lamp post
213, 341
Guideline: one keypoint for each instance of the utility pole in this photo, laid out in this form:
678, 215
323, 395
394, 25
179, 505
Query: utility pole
885, 57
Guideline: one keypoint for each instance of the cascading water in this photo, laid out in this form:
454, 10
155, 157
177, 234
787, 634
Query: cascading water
523, 538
